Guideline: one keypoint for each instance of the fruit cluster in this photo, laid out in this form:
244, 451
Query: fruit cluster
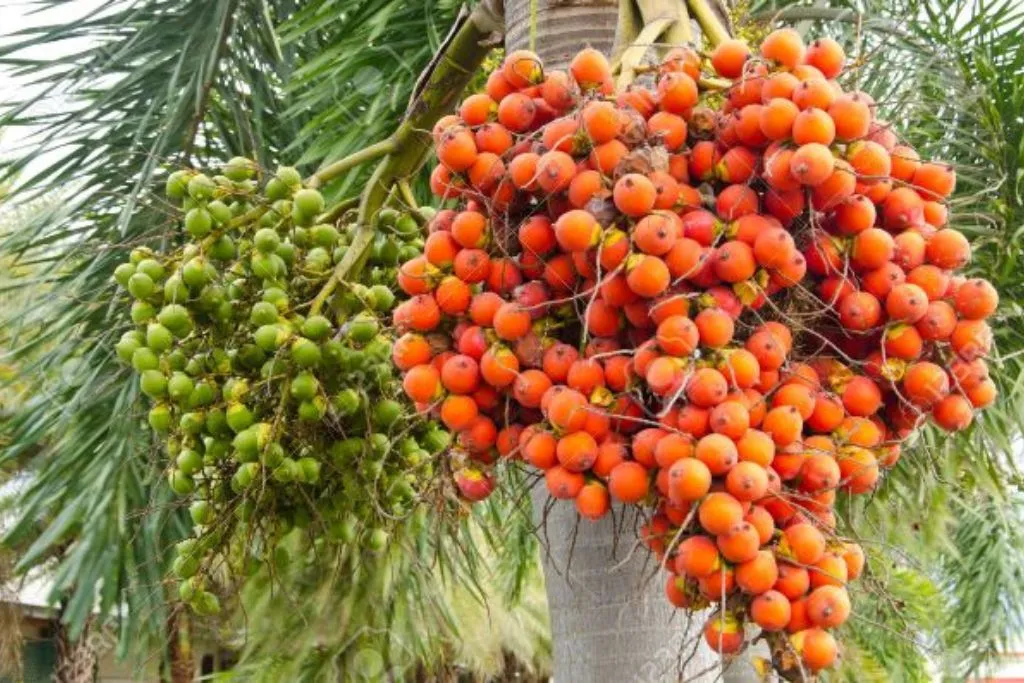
274, 415
725, 304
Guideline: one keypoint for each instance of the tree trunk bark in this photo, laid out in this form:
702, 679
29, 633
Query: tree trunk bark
77, 660
179, 647
610, 618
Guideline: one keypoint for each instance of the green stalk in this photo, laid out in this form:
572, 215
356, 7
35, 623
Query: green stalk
714, 30
439, 90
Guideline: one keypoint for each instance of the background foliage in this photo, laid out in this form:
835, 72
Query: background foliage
155, 84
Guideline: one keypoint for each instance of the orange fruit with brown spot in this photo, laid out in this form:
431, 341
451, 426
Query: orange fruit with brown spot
771, 611
697, 557
740, 543
563, 484
828, 606
747, 481
628, 482
826, 55
803, 543
812, 164
729, 57
719, 512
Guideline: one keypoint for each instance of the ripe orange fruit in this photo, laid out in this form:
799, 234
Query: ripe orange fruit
562, 483
718, 512
739, 543
828, 606
783, 46
729, 58
628, 482
803, 543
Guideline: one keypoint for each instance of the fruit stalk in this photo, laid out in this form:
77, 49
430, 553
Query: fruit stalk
712, 27
443, 83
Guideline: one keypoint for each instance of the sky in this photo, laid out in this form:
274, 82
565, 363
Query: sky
19, 15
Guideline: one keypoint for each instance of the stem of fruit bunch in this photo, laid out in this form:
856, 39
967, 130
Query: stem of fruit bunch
471, 39
715, 31
667, 20
337, 168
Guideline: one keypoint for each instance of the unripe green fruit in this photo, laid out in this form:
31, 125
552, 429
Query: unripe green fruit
175, 290
380, 444
196, 272
363, 328
264, 266
198, 222
142, 311
153, 383
223, 249
286, 251
219, 212
216, 450
289, 175
201, 187
387, 217
250, 356
386, 413
313, 410
383, 298
189, 462
263, 313
140, 285
175, 317
324, 235
204, 394
345, 451
406, 226
153, 268
176, 186
181, 483
387, 254
186, 591
239, 169
333, 353
377, 541
346, 402
245, 475
211, 299
436, 440
160, 417
316, 327
304, 386
123, 273
305, 353
378, 350
206, 604
317, 260
307, 204
185, 567
235, 388
407, 252
239, 417
286, 472
246, 444
310, 469
266, 240
180, 386
427, 213
201, 512
276, 296
126, 347
158, 337
145, 359
192, 423
272, 456
270, 337
176, 360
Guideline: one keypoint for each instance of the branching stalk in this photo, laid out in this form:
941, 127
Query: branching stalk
438, 90
714, 30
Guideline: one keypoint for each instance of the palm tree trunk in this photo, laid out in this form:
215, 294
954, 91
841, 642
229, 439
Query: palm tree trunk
179, 647
77, 660
610, 619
